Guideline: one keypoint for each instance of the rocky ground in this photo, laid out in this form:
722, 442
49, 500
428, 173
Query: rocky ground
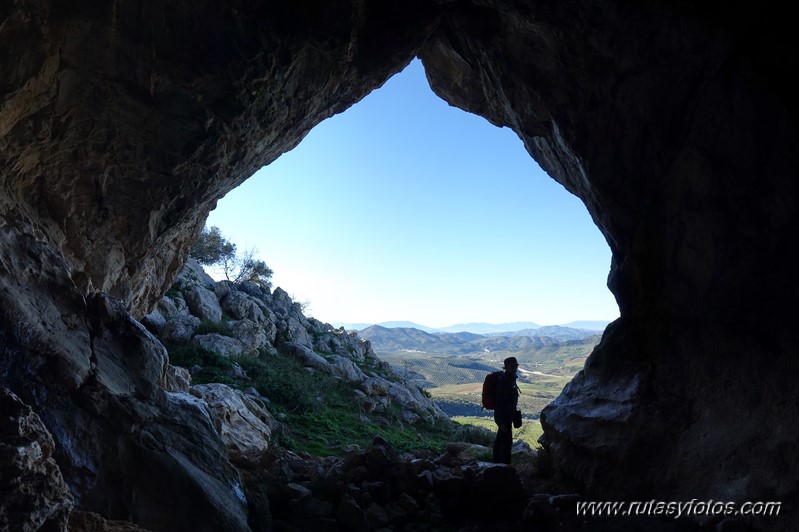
371, 489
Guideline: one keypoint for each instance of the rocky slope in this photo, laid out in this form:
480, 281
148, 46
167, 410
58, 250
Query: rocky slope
257, 323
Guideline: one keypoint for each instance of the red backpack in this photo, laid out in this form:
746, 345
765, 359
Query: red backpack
490, 390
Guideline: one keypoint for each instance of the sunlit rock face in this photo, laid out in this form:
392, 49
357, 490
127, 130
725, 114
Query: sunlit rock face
122, 123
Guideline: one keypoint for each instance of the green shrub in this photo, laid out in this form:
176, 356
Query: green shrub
211, 248
473, 434
173, 292
284, 381
218, 327
206, 366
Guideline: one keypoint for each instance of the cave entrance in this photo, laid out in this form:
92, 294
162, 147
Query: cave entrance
404, 208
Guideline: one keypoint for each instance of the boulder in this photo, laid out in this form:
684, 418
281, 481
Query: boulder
128, 359
497, 492
177, 379
346, 369
180, 328
350, 515
92, 522
242, 424
223, 345
459, 453
297, 332
193, 274
202, 303
169, 306
242, 306
251, 335
307, 357
154, 321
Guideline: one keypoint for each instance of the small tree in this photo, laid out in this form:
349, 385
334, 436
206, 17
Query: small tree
245, 268
213, 249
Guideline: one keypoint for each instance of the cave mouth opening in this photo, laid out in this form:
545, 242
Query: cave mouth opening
403, 208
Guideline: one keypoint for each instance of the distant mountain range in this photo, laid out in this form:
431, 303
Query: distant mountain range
392, 339
524, 328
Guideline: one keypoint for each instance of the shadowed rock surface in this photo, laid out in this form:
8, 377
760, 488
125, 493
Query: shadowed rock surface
32, 489
122, 123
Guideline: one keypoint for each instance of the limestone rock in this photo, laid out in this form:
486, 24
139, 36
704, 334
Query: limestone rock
154, 321
202, 303
169, 307
376, 387
250, 335
193, 274
242, 306
128, 359
180, 328
466, 452
33, 494
224, 345
242, 424
92, 522
347, 369
307, 356
177, 379
98, 375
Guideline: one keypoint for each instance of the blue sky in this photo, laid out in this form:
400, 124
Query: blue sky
404, 208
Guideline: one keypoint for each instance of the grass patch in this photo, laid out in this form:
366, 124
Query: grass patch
327, 433
205, 365
323, 415
474, 433
529, 432
174, 292
211, 327
291, 387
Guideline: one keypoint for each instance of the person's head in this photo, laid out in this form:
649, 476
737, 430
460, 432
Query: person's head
510, 364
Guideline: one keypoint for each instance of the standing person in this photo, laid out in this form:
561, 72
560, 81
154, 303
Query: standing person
507, 402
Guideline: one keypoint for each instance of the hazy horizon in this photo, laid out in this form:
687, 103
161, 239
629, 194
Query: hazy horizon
367, 323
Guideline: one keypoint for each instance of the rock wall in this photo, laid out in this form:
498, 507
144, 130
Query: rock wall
676, 127
121, 124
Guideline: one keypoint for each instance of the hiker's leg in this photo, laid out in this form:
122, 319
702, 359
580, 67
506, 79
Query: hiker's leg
507, 444
497, 455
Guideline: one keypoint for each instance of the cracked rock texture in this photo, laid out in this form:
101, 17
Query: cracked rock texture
33, 491
122, 123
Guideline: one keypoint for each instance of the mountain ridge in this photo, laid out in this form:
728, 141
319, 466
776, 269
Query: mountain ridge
477, 327
388, 339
